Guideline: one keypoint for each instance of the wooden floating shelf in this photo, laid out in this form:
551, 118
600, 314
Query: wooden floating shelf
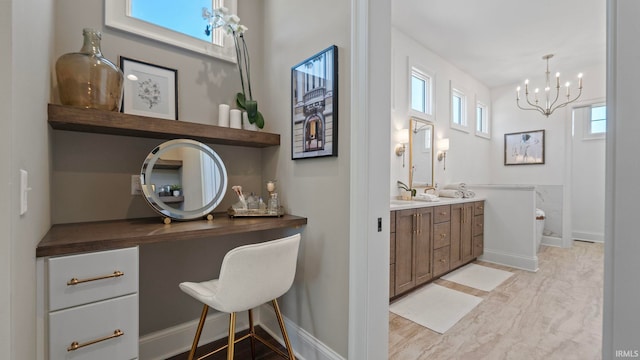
70, 118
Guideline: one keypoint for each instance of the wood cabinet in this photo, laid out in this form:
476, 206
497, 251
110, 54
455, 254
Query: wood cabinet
461, 239
413, 248
428, 242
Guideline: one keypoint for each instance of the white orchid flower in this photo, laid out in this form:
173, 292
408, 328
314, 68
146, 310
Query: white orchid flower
242, 29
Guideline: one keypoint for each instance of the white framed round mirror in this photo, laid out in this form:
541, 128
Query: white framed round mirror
183, 179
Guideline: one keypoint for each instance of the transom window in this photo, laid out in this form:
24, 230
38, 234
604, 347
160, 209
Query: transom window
421, 93
458, 110
482, 120
598, 120
177, 23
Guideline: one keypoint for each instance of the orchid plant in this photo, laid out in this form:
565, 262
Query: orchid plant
221, 18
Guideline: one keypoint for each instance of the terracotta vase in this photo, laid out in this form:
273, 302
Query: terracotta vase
86, 79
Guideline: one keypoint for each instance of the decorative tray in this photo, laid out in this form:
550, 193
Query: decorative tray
254, 212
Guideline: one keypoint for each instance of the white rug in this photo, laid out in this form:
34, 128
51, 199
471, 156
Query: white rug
478, 276
435, 307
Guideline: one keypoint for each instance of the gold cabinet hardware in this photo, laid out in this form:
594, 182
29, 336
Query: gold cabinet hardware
75, 345
443, 213
443, 260
75, 281
443, 235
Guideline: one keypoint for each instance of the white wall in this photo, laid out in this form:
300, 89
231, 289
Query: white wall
467, 159
556, 171
621, 285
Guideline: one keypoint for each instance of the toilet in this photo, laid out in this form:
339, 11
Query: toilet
539, 227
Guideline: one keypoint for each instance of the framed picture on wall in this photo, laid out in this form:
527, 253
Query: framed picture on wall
149, 90
314, 106
524, 148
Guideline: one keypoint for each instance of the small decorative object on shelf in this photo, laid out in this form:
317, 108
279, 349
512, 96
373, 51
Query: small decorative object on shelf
254, 206
221, 18
86, 79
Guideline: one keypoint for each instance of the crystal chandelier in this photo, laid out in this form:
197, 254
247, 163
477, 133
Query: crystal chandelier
550, 102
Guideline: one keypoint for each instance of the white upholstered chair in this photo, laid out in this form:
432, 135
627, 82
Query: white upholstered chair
250, 276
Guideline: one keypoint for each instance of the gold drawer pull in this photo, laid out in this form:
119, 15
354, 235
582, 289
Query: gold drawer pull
442, 236
443, 260
443, 213
75, 345
480, 225
75, 281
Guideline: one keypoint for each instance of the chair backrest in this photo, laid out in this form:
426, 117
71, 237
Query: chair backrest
254, 274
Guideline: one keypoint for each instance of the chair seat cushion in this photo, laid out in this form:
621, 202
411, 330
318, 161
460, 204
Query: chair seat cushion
205, 292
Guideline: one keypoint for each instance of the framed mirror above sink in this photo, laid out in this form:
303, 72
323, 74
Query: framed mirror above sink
421, 153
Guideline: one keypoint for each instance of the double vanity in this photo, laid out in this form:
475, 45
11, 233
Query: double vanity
430, 239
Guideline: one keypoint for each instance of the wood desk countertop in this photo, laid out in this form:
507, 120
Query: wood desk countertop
63, 239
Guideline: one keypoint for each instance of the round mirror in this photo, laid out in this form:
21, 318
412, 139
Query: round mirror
183, 179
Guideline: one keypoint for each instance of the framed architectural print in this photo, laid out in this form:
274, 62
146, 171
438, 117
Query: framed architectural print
314, 106
149, 90
524, 148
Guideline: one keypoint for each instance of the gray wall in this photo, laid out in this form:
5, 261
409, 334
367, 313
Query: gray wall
316, 188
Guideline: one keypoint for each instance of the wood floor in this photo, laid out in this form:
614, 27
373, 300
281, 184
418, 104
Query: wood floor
555, 313
242, 349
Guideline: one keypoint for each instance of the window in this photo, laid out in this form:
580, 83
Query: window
421, 94
458, 110
598, 120
172, 22
482, 120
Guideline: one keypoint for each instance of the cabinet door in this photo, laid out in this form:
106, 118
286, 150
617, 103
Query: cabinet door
404, 274
461, 241
478, 245
423, 245
392, 265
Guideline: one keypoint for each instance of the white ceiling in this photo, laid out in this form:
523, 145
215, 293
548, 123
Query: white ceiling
501, 42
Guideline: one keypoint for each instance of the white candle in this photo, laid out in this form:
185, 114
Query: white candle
235, 119
271, 186
223, 115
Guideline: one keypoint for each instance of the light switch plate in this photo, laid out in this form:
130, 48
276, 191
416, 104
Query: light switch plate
24, 188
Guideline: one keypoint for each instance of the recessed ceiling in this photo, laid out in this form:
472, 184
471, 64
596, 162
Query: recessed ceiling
501, 42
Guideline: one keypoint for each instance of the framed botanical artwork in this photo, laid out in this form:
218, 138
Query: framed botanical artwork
314, 106
149, 90
524, 148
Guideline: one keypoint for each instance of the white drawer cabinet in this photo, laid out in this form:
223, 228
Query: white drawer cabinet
105, 330
93, 305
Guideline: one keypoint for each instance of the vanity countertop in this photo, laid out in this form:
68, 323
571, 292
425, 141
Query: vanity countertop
412, 204
115, 234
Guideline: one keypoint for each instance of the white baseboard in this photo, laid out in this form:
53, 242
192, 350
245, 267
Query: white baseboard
587, 236
512, 260
551, 241
168, 342
304, 344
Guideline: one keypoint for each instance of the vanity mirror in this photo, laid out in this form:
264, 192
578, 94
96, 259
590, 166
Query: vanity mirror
183, 179
420, 153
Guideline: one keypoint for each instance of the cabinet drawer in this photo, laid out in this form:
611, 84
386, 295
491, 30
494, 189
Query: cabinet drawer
93, 267
478, 208
442, 213
478, 245
440, 261
87, 323
441, 234
478, 225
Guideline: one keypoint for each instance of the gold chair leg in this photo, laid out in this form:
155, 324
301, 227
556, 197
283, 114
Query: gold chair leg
285, 337
203, 317
253, 335
232, 335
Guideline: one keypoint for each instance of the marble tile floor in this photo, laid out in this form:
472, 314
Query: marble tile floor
555, 313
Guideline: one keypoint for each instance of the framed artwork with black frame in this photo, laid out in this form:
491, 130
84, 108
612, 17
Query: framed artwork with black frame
314, 106
524, 148
149, 90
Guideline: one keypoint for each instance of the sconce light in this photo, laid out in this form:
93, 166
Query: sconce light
402, 138
443, 147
